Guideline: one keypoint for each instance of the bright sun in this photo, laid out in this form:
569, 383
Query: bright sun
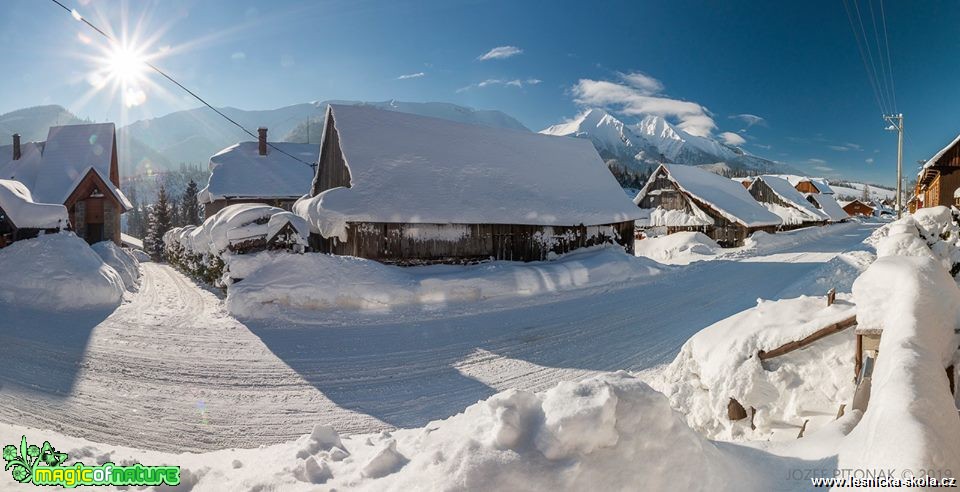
125, 65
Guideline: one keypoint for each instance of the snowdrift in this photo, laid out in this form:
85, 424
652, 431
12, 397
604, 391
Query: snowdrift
930, 232
57, 271
121, 260
319, 281
679, 248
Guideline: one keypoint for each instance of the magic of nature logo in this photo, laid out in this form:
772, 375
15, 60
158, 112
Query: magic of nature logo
44, 465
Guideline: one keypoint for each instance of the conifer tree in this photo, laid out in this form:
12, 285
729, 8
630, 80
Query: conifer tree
160, 222
189, 207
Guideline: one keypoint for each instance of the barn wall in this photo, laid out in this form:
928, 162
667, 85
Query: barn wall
84, 209
332, 170
409, 244
857, 208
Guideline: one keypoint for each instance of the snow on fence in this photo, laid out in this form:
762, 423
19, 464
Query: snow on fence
202, 250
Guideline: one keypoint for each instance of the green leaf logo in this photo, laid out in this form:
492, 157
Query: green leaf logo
21, 462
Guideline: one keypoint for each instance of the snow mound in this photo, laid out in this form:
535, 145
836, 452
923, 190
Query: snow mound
121, 260
911, 420
57, 272
274, 281
839, 273
931, 232
679, 248
720, 362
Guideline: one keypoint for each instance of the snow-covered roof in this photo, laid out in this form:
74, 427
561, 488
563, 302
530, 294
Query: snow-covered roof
729, 198
23, 169
829, 206
239, 171
414, 169
844, 203
131, 241
936, 157
786, 192
819, 183
69, 152
18, 204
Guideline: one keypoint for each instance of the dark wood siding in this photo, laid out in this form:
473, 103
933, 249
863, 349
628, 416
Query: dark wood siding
409, 244
332, 171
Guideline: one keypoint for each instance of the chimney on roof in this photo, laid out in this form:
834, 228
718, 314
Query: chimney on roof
16, 146
263, 139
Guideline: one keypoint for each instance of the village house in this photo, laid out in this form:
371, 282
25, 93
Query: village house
22, 218
255, 172
783, 199
857, 207
818, 192
77, 167
408, 189
938, 181
686, 198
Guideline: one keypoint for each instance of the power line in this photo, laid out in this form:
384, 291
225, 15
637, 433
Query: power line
880, 57
76, 15
886, 42
863, 58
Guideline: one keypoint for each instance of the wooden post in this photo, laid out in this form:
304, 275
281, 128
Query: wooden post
840, 412
735, 410
858, 358
802, 428
831, 297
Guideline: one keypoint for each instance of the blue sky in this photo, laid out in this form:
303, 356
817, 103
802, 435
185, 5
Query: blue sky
793, 64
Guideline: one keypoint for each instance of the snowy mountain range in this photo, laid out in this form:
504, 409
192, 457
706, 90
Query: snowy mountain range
639, 147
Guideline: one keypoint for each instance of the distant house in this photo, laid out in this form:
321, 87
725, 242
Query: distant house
408, 189
856, 207
22, 218
818, 192
783, 199
685, 198
938, 180
829, 206
77, 167
804, 184
254, 172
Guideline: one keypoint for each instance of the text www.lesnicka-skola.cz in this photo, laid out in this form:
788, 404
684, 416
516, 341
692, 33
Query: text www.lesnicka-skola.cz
883, 482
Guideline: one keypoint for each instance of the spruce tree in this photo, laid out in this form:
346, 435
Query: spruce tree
160, 222
189, 207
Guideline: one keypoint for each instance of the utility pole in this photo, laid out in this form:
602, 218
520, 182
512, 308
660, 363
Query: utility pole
896, 124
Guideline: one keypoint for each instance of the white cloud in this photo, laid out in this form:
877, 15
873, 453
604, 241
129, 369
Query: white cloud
731, 138
239, 55
869, 160
633, 101
816, 161
749, 119
500, 52
644, 83
503, 82
845, 147
287, 61
411, 76
762, 146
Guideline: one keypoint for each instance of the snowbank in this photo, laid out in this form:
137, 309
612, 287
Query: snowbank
911, 420
320, 281
931, 232
680, 248
57, 271
720, 362
121, 260
761, 242
18, 204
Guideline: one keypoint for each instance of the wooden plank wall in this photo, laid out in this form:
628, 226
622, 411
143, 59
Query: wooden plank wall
409, 244
332, 171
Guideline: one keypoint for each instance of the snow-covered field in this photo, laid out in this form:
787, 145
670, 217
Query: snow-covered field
191, 377
590, 428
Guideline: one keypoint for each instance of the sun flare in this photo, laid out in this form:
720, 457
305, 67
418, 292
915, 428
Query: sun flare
125, 65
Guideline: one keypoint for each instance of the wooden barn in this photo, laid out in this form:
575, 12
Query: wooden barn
77, 166
938, 180
686, 198
856, 207
408, 189
22, 218
783, 199
254, 172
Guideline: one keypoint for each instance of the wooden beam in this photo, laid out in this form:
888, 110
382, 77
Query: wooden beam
823, 332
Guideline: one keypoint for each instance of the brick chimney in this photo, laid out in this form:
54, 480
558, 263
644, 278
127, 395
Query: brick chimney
16, 146
263, 140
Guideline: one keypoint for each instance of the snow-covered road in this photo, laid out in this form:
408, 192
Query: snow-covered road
170, 370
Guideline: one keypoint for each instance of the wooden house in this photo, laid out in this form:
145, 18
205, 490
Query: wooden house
856, 207
686, 198
938, 180
77, 166
784, 200
22, 218
254, 172
409, 189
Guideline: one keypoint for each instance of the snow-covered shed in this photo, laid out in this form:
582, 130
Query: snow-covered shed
804, 184
783, 199
829, 206
77, 166
857, 207
254, 172
686, 198
407, 189
22, 218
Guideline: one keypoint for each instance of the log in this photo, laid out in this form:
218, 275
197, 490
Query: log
831, 297
823, 332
